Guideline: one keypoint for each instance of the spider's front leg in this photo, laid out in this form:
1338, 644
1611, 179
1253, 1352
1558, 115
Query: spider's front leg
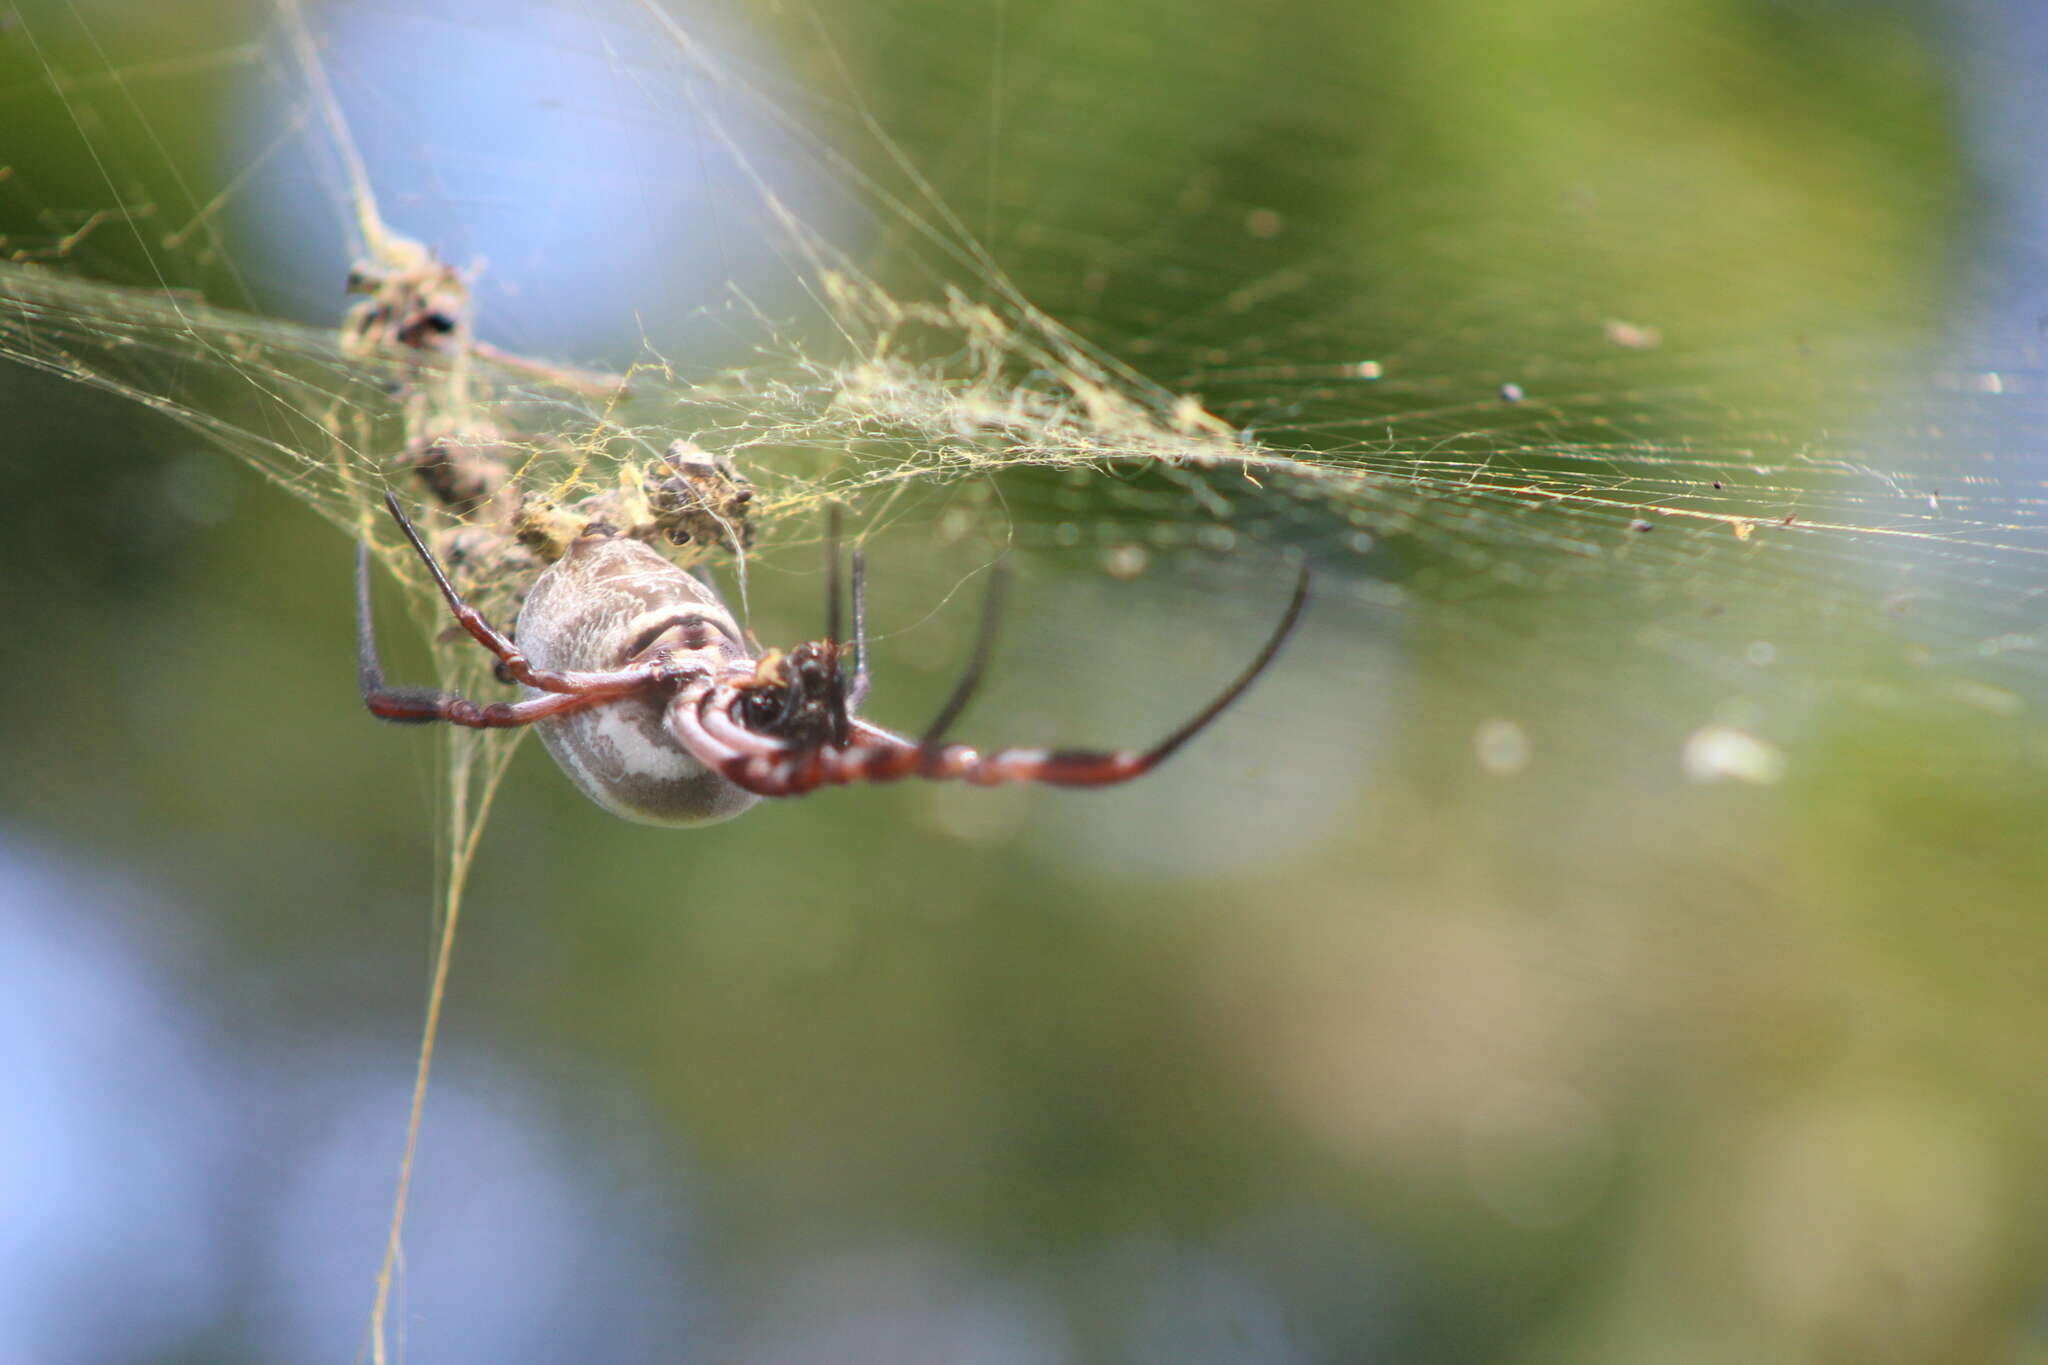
1107, 767
769, 766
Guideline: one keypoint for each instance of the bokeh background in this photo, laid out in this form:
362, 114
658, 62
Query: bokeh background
1613, 932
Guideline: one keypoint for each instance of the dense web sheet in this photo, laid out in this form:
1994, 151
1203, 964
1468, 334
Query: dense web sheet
1682, 474
1919, 519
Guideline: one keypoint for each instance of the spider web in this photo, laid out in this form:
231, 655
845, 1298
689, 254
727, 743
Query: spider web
1776, 459
1694, 469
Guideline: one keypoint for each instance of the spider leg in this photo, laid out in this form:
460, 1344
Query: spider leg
857, 692
1200, 721
867, 734
878, 756
415, 705
617, 683
761, 764
832, 622
977, 663
832, 574
472, 620
768, 766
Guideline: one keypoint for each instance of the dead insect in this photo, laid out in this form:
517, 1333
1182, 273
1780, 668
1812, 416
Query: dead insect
415, 301
699, 496
464, 469
647, 695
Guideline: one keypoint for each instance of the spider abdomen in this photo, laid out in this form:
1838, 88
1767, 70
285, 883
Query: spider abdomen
605, 602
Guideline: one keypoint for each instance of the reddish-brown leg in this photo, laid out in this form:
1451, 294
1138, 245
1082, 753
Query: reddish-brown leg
768, 766
422, 704
411, 705
616, 683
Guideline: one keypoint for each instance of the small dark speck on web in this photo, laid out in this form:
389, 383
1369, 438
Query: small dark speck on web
1717, 483
1640, 525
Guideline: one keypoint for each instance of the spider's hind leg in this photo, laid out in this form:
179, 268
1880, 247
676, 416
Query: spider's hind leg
1098, 767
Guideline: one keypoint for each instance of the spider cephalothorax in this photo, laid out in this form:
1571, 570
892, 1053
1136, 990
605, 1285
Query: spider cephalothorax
799, 697
646, 692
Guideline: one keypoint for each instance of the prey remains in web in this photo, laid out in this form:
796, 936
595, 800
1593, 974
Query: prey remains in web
647, 693
640, 681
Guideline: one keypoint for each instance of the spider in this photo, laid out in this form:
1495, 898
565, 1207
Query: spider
647, 694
